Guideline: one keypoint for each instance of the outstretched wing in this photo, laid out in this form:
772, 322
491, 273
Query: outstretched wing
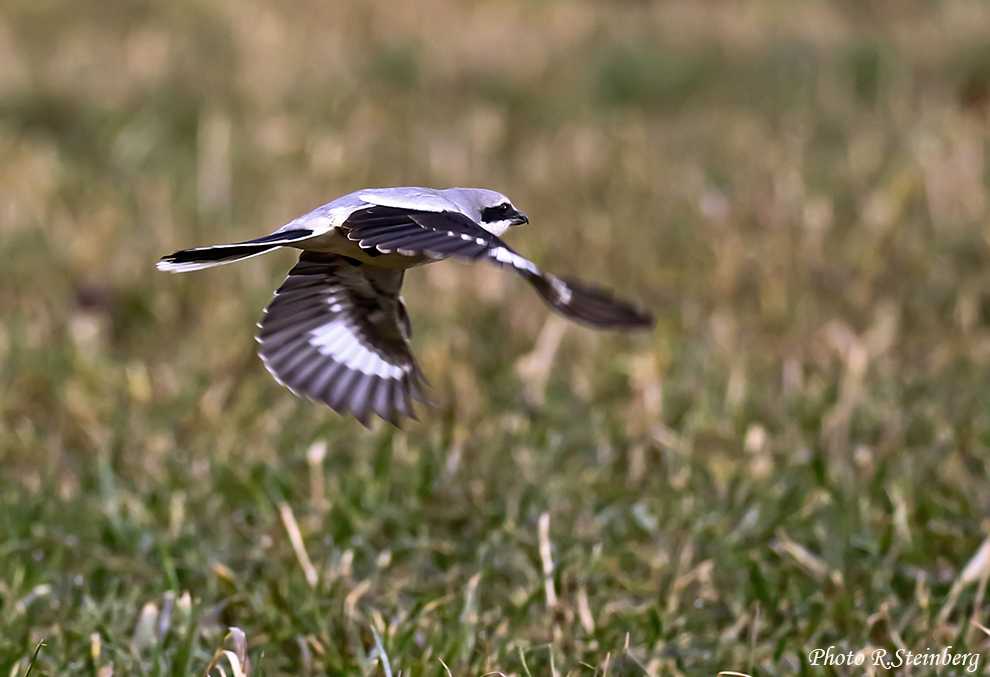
412, 232
443, 234
338, 333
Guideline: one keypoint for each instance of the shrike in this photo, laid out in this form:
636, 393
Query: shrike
337, 330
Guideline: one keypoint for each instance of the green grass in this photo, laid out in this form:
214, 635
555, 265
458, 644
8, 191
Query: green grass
797, 457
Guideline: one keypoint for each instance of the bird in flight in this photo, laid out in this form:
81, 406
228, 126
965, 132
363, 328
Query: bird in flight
337, 330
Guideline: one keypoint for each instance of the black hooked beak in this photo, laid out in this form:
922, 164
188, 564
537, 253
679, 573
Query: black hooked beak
517, 218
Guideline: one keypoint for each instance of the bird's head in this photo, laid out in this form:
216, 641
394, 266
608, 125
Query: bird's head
493, 211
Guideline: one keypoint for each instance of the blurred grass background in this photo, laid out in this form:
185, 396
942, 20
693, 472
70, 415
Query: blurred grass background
797, 457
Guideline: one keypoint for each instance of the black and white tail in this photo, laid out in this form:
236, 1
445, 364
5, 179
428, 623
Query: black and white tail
219, 254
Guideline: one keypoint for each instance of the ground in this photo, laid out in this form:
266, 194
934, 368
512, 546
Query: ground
797, 457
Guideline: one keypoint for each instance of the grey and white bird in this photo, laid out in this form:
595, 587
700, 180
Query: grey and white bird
337, 330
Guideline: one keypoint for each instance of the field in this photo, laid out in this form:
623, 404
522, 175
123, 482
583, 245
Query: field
797, 457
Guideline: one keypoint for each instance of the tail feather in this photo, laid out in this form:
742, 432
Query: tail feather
217, 255
207, 257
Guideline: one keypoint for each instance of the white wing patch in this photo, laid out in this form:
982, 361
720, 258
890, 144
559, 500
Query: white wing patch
503, 255
562, 290
338, 341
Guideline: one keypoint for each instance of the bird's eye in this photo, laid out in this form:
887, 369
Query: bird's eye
496, 213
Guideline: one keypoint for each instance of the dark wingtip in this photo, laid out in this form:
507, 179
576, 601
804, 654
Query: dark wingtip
592, 305
634, 317
638, 319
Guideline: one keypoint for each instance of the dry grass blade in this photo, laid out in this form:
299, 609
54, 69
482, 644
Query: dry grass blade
237, 657
973, 572
584, 611
315, 456
977, 566
298, 547
145, 634
981, 591
813, 565
546, 557
239, 640
386, 664
236, 667
534, 369
34, 658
